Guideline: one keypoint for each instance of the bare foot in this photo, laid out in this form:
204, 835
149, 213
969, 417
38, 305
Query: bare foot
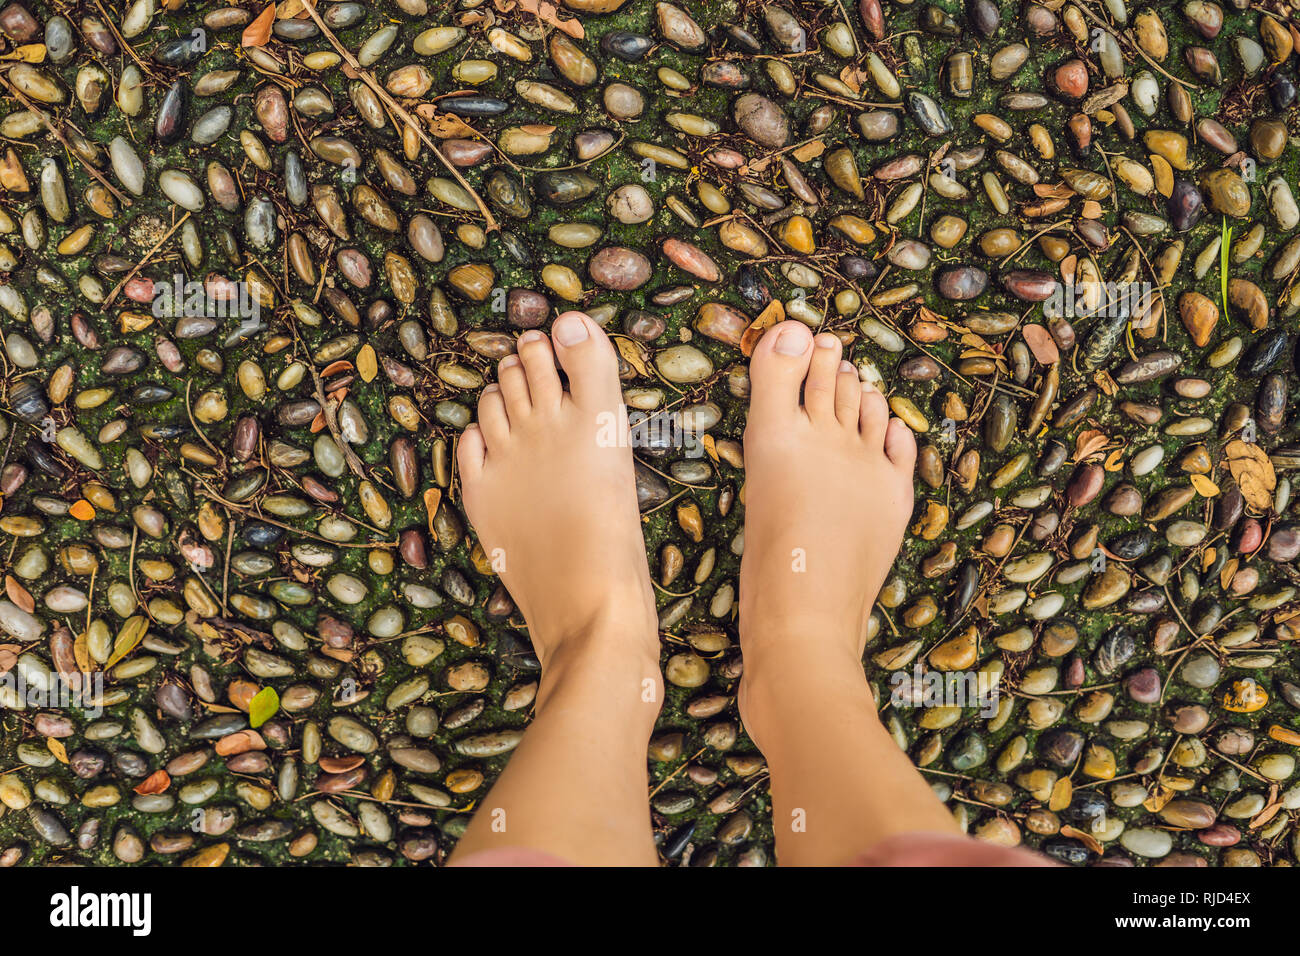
828, 494
553, 500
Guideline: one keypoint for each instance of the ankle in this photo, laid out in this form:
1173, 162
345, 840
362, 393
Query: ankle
618, 667
783, 686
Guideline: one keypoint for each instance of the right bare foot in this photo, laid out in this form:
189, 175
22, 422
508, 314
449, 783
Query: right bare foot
828, 494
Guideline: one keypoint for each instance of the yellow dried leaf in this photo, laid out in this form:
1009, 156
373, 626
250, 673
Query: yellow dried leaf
56, 747
809, 151
131, 634
1204, 486
1062, 792
1253, 472
1115, 460
1159, 797
367, 364
27, 53
632, 355
710, 447
81, 652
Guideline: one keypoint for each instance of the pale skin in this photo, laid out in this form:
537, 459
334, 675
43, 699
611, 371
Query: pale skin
828, 492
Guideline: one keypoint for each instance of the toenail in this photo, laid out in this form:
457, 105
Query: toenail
791, 342
491, 387
532, 335
847, 367
569, 330
510, 361
869, 386
826, 341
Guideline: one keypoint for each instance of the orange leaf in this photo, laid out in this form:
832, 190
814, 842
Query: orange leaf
772, 314
156, 782
9, 656
710, 447
19, 594
1087, 839
1042, 344
56, 747
82, 510
258, 32
432, 499
809, 151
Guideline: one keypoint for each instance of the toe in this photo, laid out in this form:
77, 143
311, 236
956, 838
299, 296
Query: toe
514, 387
848, 395
873, 416
470, 452
588, 359
823, 370
900, 445
539, 364
492, 417
778, 367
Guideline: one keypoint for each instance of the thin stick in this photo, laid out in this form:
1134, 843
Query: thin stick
392, 104
141, 264
58, 134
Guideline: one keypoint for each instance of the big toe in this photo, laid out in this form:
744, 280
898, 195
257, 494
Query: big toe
588, 359
778, 368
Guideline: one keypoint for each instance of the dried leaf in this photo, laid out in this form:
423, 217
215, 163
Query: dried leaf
1228, 572
19, 594
131, 634
1087, 839
1253, 472
773, 314
809, 151
1204, 486
56, 747
1089, 443
1107, 384
710, 447
263, 706
367, 364
1115, 460
1062, 792
9, 656
1042, 344
632, 354
446, 126
156, 782
28, 53
432, 499
81, 652
1159, 797
547, 13
82, 510
258, 33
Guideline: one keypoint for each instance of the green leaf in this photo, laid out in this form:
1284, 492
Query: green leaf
1223, 263
263, 706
